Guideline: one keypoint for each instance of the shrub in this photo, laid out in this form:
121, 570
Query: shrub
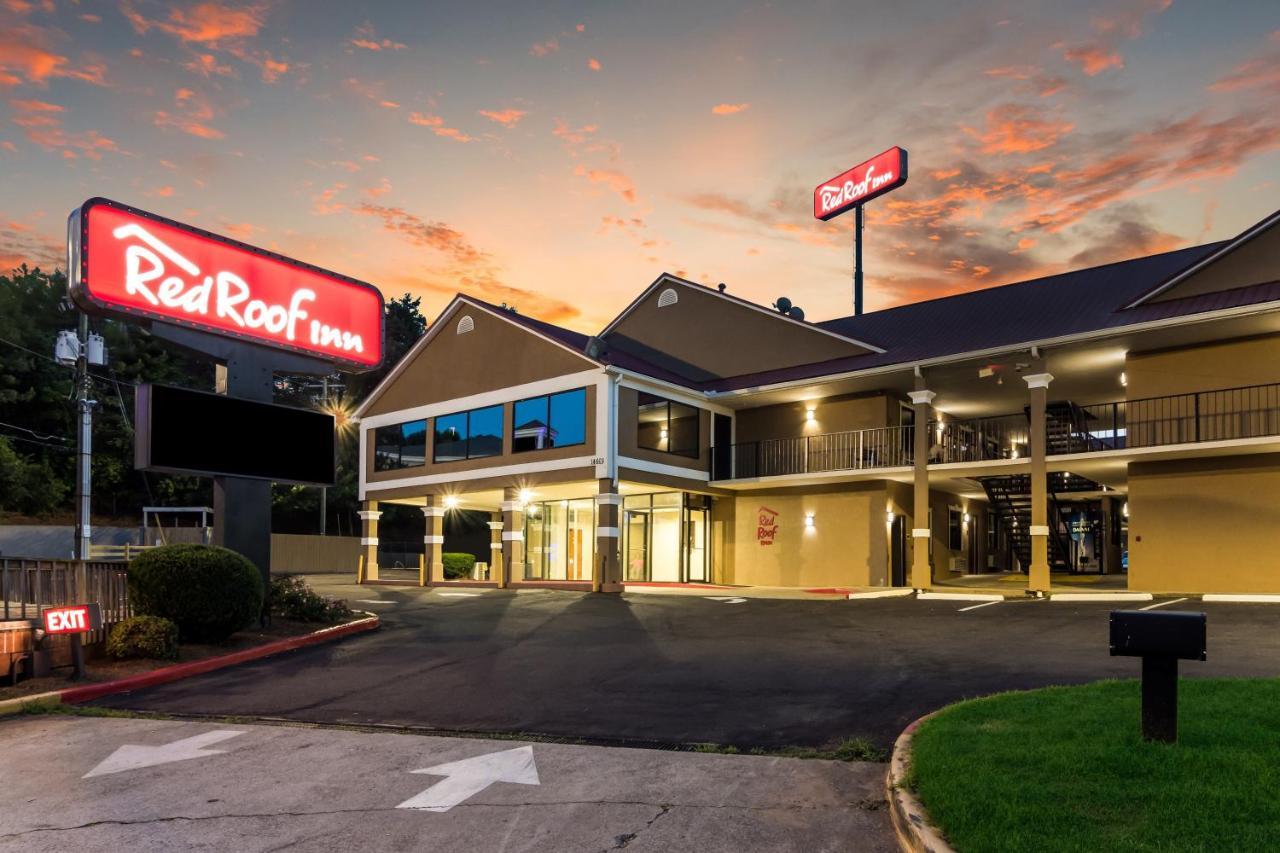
143, 637
458, 565
209, 592
293, 599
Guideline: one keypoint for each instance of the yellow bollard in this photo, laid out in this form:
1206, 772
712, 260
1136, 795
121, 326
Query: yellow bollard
422, 570
360, 570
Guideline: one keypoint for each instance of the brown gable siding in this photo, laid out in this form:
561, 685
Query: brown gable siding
496, 354
705, 336
1253, 262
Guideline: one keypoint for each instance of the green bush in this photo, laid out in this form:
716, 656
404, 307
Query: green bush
143, 637
209, 592
458, 565
293, 599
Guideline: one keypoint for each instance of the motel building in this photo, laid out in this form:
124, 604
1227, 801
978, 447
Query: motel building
1115, 427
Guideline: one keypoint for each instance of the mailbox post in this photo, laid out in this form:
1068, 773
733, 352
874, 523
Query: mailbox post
1161, 640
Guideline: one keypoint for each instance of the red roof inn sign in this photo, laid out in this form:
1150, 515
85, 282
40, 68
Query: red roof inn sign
138, 265
875, 177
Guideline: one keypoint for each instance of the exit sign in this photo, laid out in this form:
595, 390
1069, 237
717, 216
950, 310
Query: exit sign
72, 619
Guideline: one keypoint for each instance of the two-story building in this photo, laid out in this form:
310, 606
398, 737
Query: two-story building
1121, 421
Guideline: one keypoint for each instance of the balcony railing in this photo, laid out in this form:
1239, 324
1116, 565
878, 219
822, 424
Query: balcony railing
884, 447
1222, 415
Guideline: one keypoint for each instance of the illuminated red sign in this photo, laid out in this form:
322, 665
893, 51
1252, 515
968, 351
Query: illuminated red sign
767, 525
74, 619
136, 264
877, 176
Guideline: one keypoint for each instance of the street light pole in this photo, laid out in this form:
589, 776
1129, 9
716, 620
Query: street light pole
84, 444
324, 490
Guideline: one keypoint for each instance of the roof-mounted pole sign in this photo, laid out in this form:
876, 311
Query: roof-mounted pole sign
854, 188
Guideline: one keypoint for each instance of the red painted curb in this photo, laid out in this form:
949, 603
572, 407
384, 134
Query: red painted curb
197, 667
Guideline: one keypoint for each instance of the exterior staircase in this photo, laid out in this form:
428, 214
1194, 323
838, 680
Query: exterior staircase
1010, 499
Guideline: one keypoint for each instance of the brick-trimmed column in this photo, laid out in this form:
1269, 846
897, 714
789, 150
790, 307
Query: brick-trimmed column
512, 537
495, 546
1038, 576
433, 540
369, 516
921, 571
607, 574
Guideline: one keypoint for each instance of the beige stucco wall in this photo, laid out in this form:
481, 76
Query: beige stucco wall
1225, 364
842, 413
1205, 525
847, 546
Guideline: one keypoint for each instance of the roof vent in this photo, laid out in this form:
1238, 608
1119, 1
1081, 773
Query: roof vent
668, 297
466, 324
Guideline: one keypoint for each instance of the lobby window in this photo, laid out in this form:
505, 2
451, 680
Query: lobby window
553, 420
667, 426
469, 435
400, 446
955, 526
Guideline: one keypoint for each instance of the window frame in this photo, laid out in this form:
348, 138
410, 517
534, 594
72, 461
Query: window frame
547, 420
400, 466
696, 451
467, 454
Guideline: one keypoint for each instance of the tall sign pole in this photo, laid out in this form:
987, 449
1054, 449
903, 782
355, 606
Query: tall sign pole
854, 188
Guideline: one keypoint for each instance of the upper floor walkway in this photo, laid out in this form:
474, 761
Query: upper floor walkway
1224, 415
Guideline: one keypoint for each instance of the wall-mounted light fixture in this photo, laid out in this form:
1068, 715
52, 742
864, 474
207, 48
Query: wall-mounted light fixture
888, 516
1124, 379
810, 415
966, 519
1124, 509
450, 501
525, 496
808, 521
663, 434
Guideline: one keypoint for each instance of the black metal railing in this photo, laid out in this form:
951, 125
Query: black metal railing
1220, 415
28, 585
857, 450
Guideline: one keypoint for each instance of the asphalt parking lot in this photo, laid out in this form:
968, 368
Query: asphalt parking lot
657, 669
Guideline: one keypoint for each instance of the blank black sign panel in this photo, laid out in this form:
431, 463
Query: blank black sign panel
192, 432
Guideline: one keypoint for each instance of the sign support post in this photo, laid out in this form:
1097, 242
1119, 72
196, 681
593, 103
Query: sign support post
857, 260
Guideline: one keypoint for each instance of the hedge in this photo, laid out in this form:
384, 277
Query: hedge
209, 592
457, 565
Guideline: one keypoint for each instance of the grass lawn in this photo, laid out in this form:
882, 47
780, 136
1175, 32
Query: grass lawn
1065, 768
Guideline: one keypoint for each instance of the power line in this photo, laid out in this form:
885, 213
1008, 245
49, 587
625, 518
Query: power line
33, 433
41, 443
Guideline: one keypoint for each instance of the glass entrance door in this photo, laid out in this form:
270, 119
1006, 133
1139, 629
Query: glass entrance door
635, 549
696, 554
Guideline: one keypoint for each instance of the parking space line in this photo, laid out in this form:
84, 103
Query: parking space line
1161, 604
976, 606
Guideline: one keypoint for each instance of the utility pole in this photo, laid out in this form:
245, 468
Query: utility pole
84, 443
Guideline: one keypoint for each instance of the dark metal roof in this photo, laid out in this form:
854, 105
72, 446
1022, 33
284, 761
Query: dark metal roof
1042, 309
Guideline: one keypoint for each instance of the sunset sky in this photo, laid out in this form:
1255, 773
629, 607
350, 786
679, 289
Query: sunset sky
559, 156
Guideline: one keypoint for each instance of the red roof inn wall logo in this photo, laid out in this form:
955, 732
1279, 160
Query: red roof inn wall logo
766, 525
877, 176
138, 265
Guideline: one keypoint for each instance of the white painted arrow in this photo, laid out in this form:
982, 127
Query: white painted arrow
470, 776
725, 599
134, 756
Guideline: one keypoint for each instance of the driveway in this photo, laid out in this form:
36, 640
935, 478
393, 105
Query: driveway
657, 669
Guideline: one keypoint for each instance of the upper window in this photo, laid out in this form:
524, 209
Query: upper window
667, 426
555, 420
400, 446
469, 435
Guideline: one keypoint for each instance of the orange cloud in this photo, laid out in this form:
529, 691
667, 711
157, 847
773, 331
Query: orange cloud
204, 23
1016, 129
367, 39
593, 64
1260, 73
573, 135
506, 118
1093, 59
382, 188
611, 178
729, 109
207, 65
193, 120
544, 48
438, 127
25, 57
42, 123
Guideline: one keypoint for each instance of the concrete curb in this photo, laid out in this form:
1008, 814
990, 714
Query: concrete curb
911, 824
959, 596
164, 675
1101, 596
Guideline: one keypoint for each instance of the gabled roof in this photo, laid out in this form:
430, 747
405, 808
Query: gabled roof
668, 279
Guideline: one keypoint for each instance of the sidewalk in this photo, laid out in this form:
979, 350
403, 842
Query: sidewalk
163, 785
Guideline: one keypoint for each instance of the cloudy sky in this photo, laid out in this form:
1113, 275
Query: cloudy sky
559, 156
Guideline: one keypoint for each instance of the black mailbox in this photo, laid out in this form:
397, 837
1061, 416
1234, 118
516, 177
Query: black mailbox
1161, 640
1171, 633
